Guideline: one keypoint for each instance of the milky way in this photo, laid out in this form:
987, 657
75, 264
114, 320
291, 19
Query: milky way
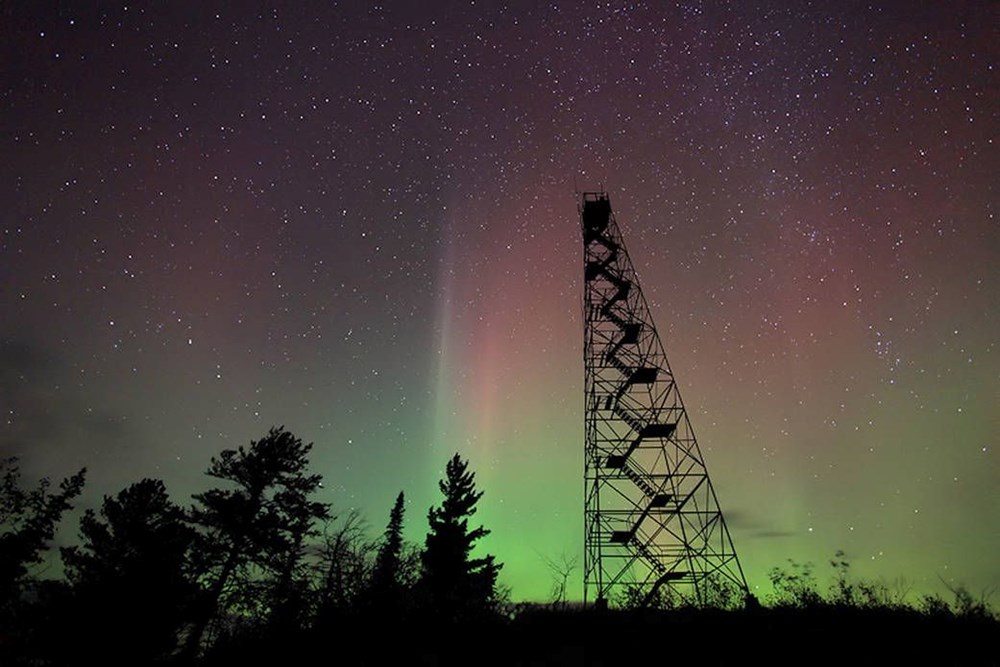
359, 222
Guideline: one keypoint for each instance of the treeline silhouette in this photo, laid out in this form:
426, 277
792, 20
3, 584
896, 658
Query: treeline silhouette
254, 566
257, 571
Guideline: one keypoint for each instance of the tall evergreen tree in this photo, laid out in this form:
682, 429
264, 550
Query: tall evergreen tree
256, 529
456, 584
387, 584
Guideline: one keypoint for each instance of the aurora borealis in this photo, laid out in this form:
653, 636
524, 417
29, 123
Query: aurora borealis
358, 221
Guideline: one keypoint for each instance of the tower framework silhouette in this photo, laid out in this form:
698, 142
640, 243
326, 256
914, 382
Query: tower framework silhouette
652, 518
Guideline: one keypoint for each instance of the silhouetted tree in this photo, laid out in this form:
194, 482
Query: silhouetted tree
129, 575
456, 584
344, 569
256, 529
289, 586
386, 575
28, 521
392, 573
561, 571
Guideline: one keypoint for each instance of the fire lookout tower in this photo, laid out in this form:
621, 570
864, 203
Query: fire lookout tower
652, 519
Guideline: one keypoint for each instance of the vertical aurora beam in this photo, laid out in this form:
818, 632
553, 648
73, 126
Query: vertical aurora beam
466, 367
506, 377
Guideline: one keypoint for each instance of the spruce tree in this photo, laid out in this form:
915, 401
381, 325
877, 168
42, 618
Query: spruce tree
386, 578
457, 586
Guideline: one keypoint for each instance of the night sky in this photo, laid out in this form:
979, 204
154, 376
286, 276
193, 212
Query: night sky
360, 222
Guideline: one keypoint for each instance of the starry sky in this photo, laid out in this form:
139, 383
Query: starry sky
359, 221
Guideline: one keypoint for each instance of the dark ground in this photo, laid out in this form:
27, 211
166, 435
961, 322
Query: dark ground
784, 636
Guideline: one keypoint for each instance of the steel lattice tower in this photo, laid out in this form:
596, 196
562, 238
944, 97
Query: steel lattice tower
651, 516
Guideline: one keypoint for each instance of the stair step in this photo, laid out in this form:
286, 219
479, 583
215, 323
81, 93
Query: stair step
657, 430
660, 500
644, 375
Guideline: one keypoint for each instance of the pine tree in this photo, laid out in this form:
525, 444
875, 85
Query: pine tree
257, 528
457, 585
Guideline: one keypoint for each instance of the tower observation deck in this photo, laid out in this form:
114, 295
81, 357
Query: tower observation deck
653, 526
